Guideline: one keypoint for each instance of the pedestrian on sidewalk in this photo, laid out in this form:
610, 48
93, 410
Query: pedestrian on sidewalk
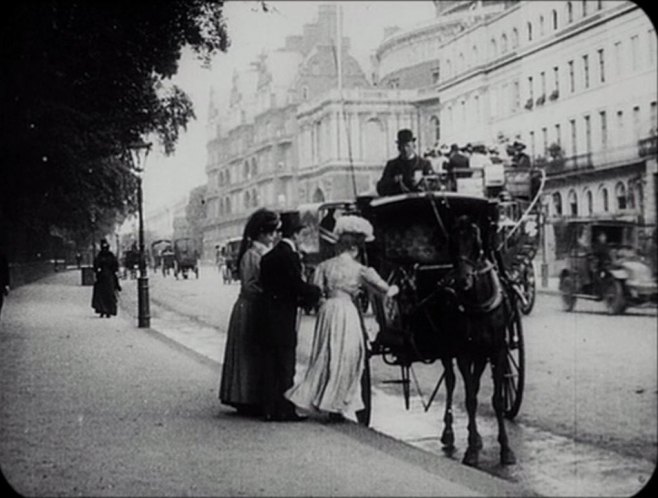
284, 290
4, 278
106, 286
332, 382
242, 372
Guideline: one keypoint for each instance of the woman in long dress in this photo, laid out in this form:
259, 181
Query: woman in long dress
106, 286
242, 371
332, 382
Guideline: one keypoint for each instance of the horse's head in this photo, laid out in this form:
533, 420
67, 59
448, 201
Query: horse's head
467, 252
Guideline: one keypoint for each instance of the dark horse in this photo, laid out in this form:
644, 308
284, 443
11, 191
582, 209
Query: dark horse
477, 311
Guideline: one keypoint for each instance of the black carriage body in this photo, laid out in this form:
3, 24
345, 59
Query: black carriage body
412, 248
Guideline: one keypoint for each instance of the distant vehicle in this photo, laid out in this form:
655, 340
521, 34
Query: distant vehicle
186, 256
156, 249
230, 253
616, 275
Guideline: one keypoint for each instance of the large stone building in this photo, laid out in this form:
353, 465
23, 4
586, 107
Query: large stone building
575, 80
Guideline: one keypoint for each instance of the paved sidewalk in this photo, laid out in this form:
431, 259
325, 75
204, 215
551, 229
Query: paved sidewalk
94, 406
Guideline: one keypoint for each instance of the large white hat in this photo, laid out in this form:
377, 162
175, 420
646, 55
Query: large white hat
354, 224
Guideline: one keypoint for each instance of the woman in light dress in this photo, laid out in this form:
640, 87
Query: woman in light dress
332, 382
242, 371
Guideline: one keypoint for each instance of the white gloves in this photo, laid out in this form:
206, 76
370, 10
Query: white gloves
392, 291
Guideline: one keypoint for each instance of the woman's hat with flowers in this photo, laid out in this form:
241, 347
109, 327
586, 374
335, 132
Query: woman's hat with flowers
356, 225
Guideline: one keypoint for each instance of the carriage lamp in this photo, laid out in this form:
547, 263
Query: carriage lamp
139, 152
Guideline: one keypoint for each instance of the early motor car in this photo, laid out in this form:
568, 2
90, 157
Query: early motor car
602, 264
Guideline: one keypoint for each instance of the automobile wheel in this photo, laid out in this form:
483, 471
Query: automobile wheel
613, 295
567, 292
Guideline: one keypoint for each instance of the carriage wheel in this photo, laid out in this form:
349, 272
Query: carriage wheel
529, 290
514, 366
363, 416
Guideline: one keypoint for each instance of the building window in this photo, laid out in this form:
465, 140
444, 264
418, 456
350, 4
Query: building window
515, 38
557, 203
573, 203
619, 64
604, 199
531, 93
544, 136
304, 93
635, 52
637, 132
620, 194
558, 135
572, 78
542, 78
599, 4
586, 70
601, 66
574, 143
533, 152
584, 2
556, 80
569, 12
555, 25
494, 49
517, 95
436, 75
435, 126
589, 200
604, 129
630, 198
529, 31
503, 44
652, 47
541, 26
653, 119
588, 134
620, 127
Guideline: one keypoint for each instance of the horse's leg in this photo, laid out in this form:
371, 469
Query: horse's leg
471, 369
507, 456
448, 435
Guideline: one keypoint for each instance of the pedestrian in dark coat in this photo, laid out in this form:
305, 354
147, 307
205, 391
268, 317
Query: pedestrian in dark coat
4, 279
457, 161
284, 290
404, 173
242, 370
104, 297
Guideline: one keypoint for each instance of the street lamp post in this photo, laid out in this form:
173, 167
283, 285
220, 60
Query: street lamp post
139, 152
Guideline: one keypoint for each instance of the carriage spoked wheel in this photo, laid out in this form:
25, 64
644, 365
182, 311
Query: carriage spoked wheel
514, 366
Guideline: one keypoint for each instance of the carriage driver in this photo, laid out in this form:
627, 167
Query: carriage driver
404, 173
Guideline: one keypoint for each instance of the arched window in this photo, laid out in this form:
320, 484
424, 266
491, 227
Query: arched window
569, 12
449, 68
247, 199
620, 194
254, 167
589, 199
475, 54
318, 195
573, 203
555, 24
503, 44
604, 199
584, 2
515, 38
462, 63
493, 48
541, 26
435, 126
557, 203
246, 170
228, 205
631, 197
254, 198
374, 138
529, 31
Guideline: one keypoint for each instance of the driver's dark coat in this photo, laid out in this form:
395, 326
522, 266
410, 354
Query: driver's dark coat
405, 167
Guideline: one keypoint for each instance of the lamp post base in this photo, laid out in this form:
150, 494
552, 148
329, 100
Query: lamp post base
143, 312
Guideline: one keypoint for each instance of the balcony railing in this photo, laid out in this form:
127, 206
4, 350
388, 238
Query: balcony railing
647, 146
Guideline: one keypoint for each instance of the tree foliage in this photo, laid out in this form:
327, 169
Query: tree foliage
81, 81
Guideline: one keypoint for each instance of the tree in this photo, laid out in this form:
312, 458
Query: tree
81, 81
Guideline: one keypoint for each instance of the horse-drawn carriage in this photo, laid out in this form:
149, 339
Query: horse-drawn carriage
456, 301
186, 256
157, 248
230, 270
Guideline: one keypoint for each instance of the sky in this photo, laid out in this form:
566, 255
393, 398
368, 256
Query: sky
252, 31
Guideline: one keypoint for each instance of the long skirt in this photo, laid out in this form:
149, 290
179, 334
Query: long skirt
242, 372
332, 381
104, 295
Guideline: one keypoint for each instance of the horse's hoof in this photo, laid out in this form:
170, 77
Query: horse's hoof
471, 457
507, 457
448, 438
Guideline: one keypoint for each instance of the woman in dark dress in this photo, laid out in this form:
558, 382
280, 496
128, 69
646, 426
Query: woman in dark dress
242, 371
104, 297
